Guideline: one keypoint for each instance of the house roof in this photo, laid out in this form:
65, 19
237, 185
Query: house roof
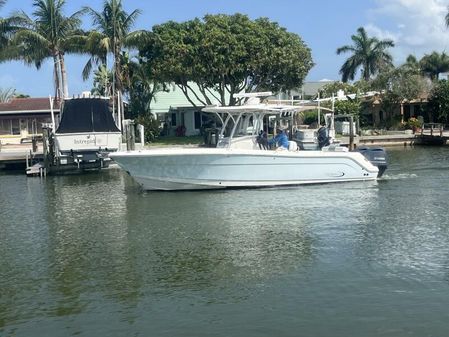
27, 106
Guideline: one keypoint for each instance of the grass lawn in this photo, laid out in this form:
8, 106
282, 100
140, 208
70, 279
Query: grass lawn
173, 140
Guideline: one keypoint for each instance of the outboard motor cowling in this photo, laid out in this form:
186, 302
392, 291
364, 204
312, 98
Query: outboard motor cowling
323, 137
377, 156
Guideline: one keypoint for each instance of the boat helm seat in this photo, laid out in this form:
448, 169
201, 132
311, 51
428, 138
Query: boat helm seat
292, 146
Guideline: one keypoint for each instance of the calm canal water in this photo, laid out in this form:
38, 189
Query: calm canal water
92, 255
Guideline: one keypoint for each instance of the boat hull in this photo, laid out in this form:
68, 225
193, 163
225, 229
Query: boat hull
190, 169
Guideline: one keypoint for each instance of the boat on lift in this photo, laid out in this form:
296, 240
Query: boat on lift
85, 136
238, 161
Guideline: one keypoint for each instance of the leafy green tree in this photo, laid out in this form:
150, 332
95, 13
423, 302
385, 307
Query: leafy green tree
49, 34
22, 96
404, 83
226, 54
433, 64
438, 102
368, 53
347, 107
332, 89
397, 86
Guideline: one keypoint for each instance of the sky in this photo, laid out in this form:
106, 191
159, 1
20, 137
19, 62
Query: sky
416, 26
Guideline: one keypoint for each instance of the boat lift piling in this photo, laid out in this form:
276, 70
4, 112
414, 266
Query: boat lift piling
129, 134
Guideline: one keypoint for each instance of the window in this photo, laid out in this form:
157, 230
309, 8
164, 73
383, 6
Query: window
24, 124
197, 120
173, 119
15, 127
31, 125
5, 126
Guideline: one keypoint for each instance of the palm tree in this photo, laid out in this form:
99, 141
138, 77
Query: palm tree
142, 88
5, 28
50, 34
113, 33
102, 81
411, 63
369, 53
446, 18
433, 64
7, 94
8, 27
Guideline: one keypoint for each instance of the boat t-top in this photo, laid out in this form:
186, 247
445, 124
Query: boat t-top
238, 160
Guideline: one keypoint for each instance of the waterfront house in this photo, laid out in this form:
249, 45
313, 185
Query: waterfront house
377, 114
22, 118
309, 90
179, 116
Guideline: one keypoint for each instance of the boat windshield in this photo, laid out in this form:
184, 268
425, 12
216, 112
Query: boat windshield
244, 124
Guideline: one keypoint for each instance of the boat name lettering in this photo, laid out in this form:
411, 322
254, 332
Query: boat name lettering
84, 141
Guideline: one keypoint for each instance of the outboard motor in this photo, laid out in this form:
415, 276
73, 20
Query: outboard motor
377, 156
323, 137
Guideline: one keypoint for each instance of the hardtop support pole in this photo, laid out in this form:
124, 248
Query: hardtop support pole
52, 114
351, 133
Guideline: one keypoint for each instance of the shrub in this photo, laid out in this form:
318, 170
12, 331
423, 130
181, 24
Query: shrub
413, 123
151, 124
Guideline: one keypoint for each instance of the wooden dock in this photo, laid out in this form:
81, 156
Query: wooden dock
15, 156
385, 140
432, 134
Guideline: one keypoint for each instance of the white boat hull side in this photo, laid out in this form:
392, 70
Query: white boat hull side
88, 141
187, 169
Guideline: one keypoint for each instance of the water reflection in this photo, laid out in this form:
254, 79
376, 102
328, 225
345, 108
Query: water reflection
89, 238
94, 255
197, 240
97, 235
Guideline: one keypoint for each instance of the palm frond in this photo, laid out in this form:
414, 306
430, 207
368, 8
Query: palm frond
446, 18
137, 38
349, 68
130, 20
345, 49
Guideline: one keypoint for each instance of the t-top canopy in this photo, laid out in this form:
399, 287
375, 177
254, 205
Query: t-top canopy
86, 115
271, 109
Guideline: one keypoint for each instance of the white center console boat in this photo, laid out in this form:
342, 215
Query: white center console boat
239, 162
